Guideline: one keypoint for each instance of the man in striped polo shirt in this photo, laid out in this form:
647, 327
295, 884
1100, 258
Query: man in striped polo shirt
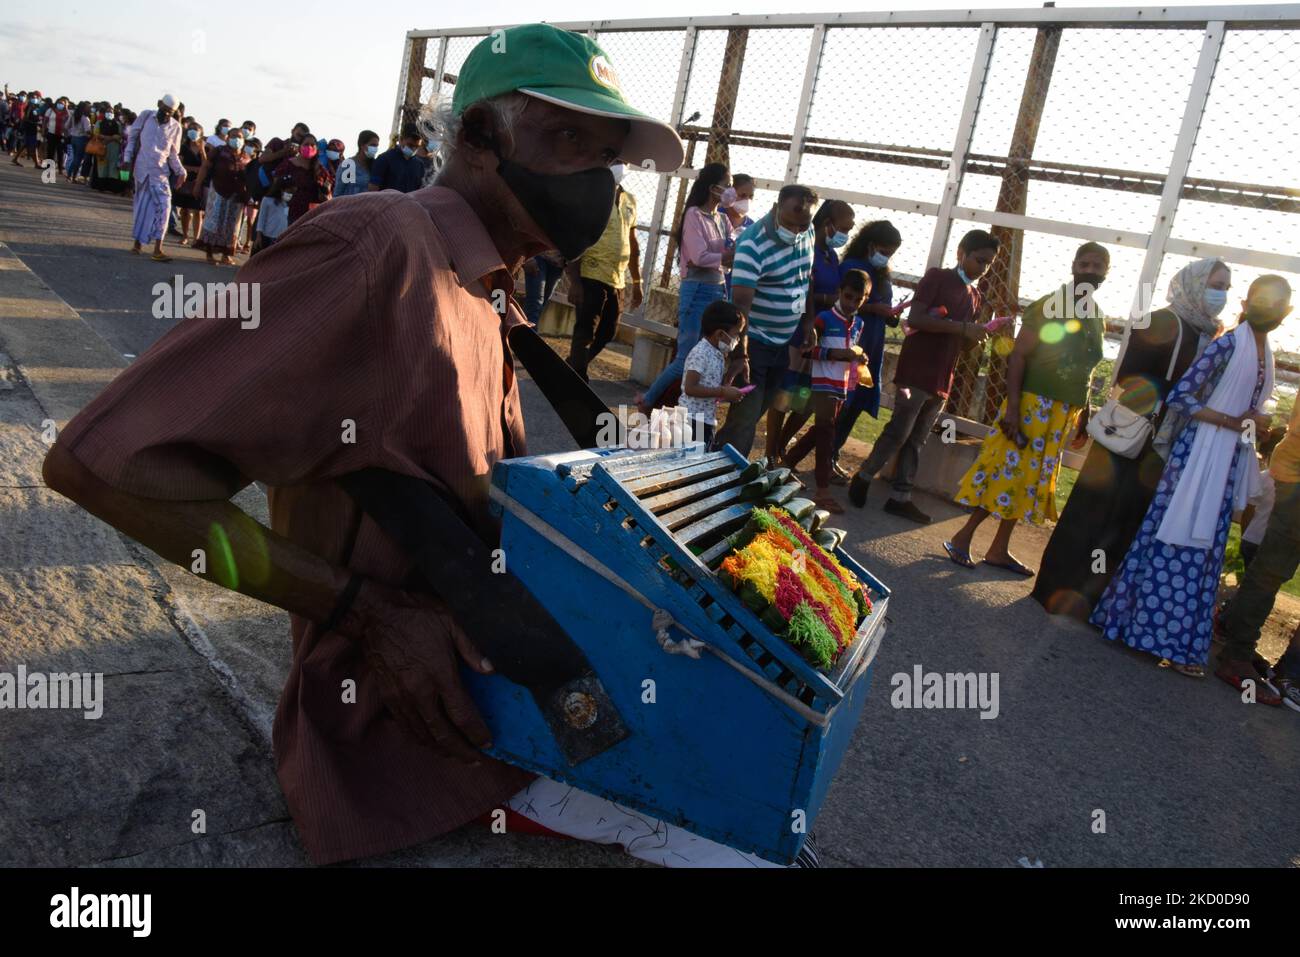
769, 284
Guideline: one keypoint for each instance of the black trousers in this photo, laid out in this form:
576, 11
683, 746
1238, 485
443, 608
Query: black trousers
595, 324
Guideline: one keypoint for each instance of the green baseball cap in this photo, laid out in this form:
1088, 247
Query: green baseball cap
571, 71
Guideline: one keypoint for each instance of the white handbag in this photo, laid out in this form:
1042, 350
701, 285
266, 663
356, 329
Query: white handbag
1117, 427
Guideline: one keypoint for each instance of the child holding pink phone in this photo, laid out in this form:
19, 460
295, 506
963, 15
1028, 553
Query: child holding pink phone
721, 326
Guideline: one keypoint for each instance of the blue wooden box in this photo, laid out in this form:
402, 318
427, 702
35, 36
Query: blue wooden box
740, 752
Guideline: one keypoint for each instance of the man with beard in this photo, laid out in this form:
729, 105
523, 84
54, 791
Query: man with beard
153, 155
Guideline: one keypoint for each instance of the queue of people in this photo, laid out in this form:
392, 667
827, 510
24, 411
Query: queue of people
773, 321
206, 186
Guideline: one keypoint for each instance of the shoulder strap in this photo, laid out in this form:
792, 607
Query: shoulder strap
1178, 347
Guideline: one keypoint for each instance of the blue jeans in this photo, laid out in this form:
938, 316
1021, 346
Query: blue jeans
767, 367
78, 153
538, 287
692, 299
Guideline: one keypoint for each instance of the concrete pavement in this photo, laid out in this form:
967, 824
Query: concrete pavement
1184, 773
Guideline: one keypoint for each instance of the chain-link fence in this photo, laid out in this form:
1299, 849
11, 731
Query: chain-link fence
1167, 134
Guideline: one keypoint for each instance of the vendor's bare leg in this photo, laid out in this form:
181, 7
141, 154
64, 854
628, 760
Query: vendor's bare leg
586, 817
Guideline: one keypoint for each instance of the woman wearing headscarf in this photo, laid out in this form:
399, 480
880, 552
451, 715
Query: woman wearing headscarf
1111, 496
1162, 599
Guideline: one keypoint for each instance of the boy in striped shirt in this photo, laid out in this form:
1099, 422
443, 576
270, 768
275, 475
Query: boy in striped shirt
769, 284
833, 361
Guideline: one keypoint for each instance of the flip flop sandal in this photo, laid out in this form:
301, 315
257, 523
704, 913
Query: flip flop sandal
1191, 671
959, 556
1012, 566
161, 258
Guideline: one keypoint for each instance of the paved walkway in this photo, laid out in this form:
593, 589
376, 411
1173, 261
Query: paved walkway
1185, 774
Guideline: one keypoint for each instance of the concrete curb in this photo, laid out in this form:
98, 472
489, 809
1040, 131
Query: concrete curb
66, 364
62, 359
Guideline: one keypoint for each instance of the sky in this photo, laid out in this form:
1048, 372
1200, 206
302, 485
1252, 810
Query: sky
339, 71
332, 63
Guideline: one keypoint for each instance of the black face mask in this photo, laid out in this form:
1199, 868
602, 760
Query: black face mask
1262, 321
572, 209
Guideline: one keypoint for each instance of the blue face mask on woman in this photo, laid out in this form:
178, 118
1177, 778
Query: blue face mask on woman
878, 260
408, 151
837, 240
1215, 300
372, 151
192, 134
333, 154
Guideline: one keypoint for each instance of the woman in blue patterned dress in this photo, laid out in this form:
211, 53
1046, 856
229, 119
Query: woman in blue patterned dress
1162, 600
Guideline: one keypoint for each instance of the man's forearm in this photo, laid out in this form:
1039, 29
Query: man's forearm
634, 259
238, 552
923, 323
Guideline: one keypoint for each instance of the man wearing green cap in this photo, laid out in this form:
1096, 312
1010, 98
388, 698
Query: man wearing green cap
376, 741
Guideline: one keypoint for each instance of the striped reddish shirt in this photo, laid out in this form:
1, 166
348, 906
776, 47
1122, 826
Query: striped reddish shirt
373, 309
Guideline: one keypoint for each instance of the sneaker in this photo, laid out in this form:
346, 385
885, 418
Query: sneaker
858, 490
1290, 692
906, 510
1265, 670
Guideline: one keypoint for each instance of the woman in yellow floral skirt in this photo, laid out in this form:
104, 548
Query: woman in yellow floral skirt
1058, 346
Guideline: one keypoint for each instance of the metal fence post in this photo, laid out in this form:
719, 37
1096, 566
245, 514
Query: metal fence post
401, 86
1197, 97
805, 102
665, 176
441, 66
979, 72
